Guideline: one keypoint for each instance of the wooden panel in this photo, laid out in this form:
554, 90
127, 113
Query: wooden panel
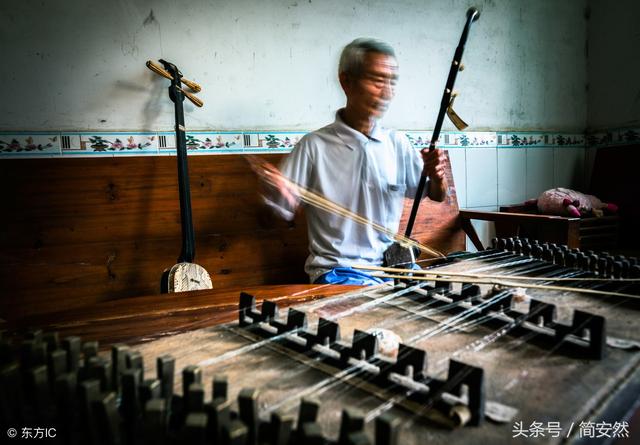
148, 317
77, 231
437, 223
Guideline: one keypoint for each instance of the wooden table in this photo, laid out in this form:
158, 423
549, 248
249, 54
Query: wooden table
142, 319
588, 389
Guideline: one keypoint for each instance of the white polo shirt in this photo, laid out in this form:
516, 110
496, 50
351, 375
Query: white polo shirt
367, 175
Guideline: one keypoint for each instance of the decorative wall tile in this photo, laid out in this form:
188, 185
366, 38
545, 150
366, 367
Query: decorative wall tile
619, 136
167, 143
214, 142
468, 139
569, 140
628, 135
28, 144
250, 140
419, 139
129, 143
70, 143
523, 139
513, 140
625, 136
600, 139
278, 141
453, 139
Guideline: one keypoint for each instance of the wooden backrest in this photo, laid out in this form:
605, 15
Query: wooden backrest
76, 231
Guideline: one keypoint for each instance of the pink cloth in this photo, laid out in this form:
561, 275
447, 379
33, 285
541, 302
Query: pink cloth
561, 201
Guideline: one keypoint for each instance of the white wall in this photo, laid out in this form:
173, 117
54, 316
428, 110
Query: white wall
79, 64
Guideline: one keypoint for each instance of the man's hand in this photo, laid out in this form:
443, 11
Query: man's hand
434, 165
272, 183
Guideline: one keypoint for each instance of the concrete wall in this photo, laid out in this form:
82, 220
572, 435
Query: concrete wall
613, 64
79, 64
613, 73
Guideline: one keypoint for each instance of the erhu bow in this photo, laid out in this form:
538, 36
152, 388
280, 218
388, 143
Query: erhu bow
397, 254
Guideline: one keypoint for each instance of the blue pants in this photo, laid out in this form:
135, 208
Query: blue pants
347, 275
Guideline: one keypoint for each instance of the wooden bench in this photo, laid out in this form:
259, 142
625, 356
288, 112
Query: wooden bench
585, 233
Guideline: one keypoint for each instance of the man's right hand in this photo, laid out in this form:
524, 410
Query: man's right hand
272, 183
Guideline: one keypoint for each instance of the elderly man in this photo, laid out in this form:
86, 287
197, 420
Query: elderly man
359, 165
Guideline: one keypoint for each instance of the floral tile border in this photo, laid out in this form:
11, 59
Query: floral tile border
109, 144
419, 139
469, 139
453, 139
277, 141
29, 144
84, 143
525, 139
214, 142
609, 138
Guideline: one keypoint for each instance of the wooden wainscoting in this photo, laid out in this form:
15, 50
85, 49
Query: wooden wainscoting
76, 231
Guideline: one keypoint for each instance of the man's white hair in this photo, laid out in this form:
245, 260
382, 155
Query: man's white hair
352, 57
